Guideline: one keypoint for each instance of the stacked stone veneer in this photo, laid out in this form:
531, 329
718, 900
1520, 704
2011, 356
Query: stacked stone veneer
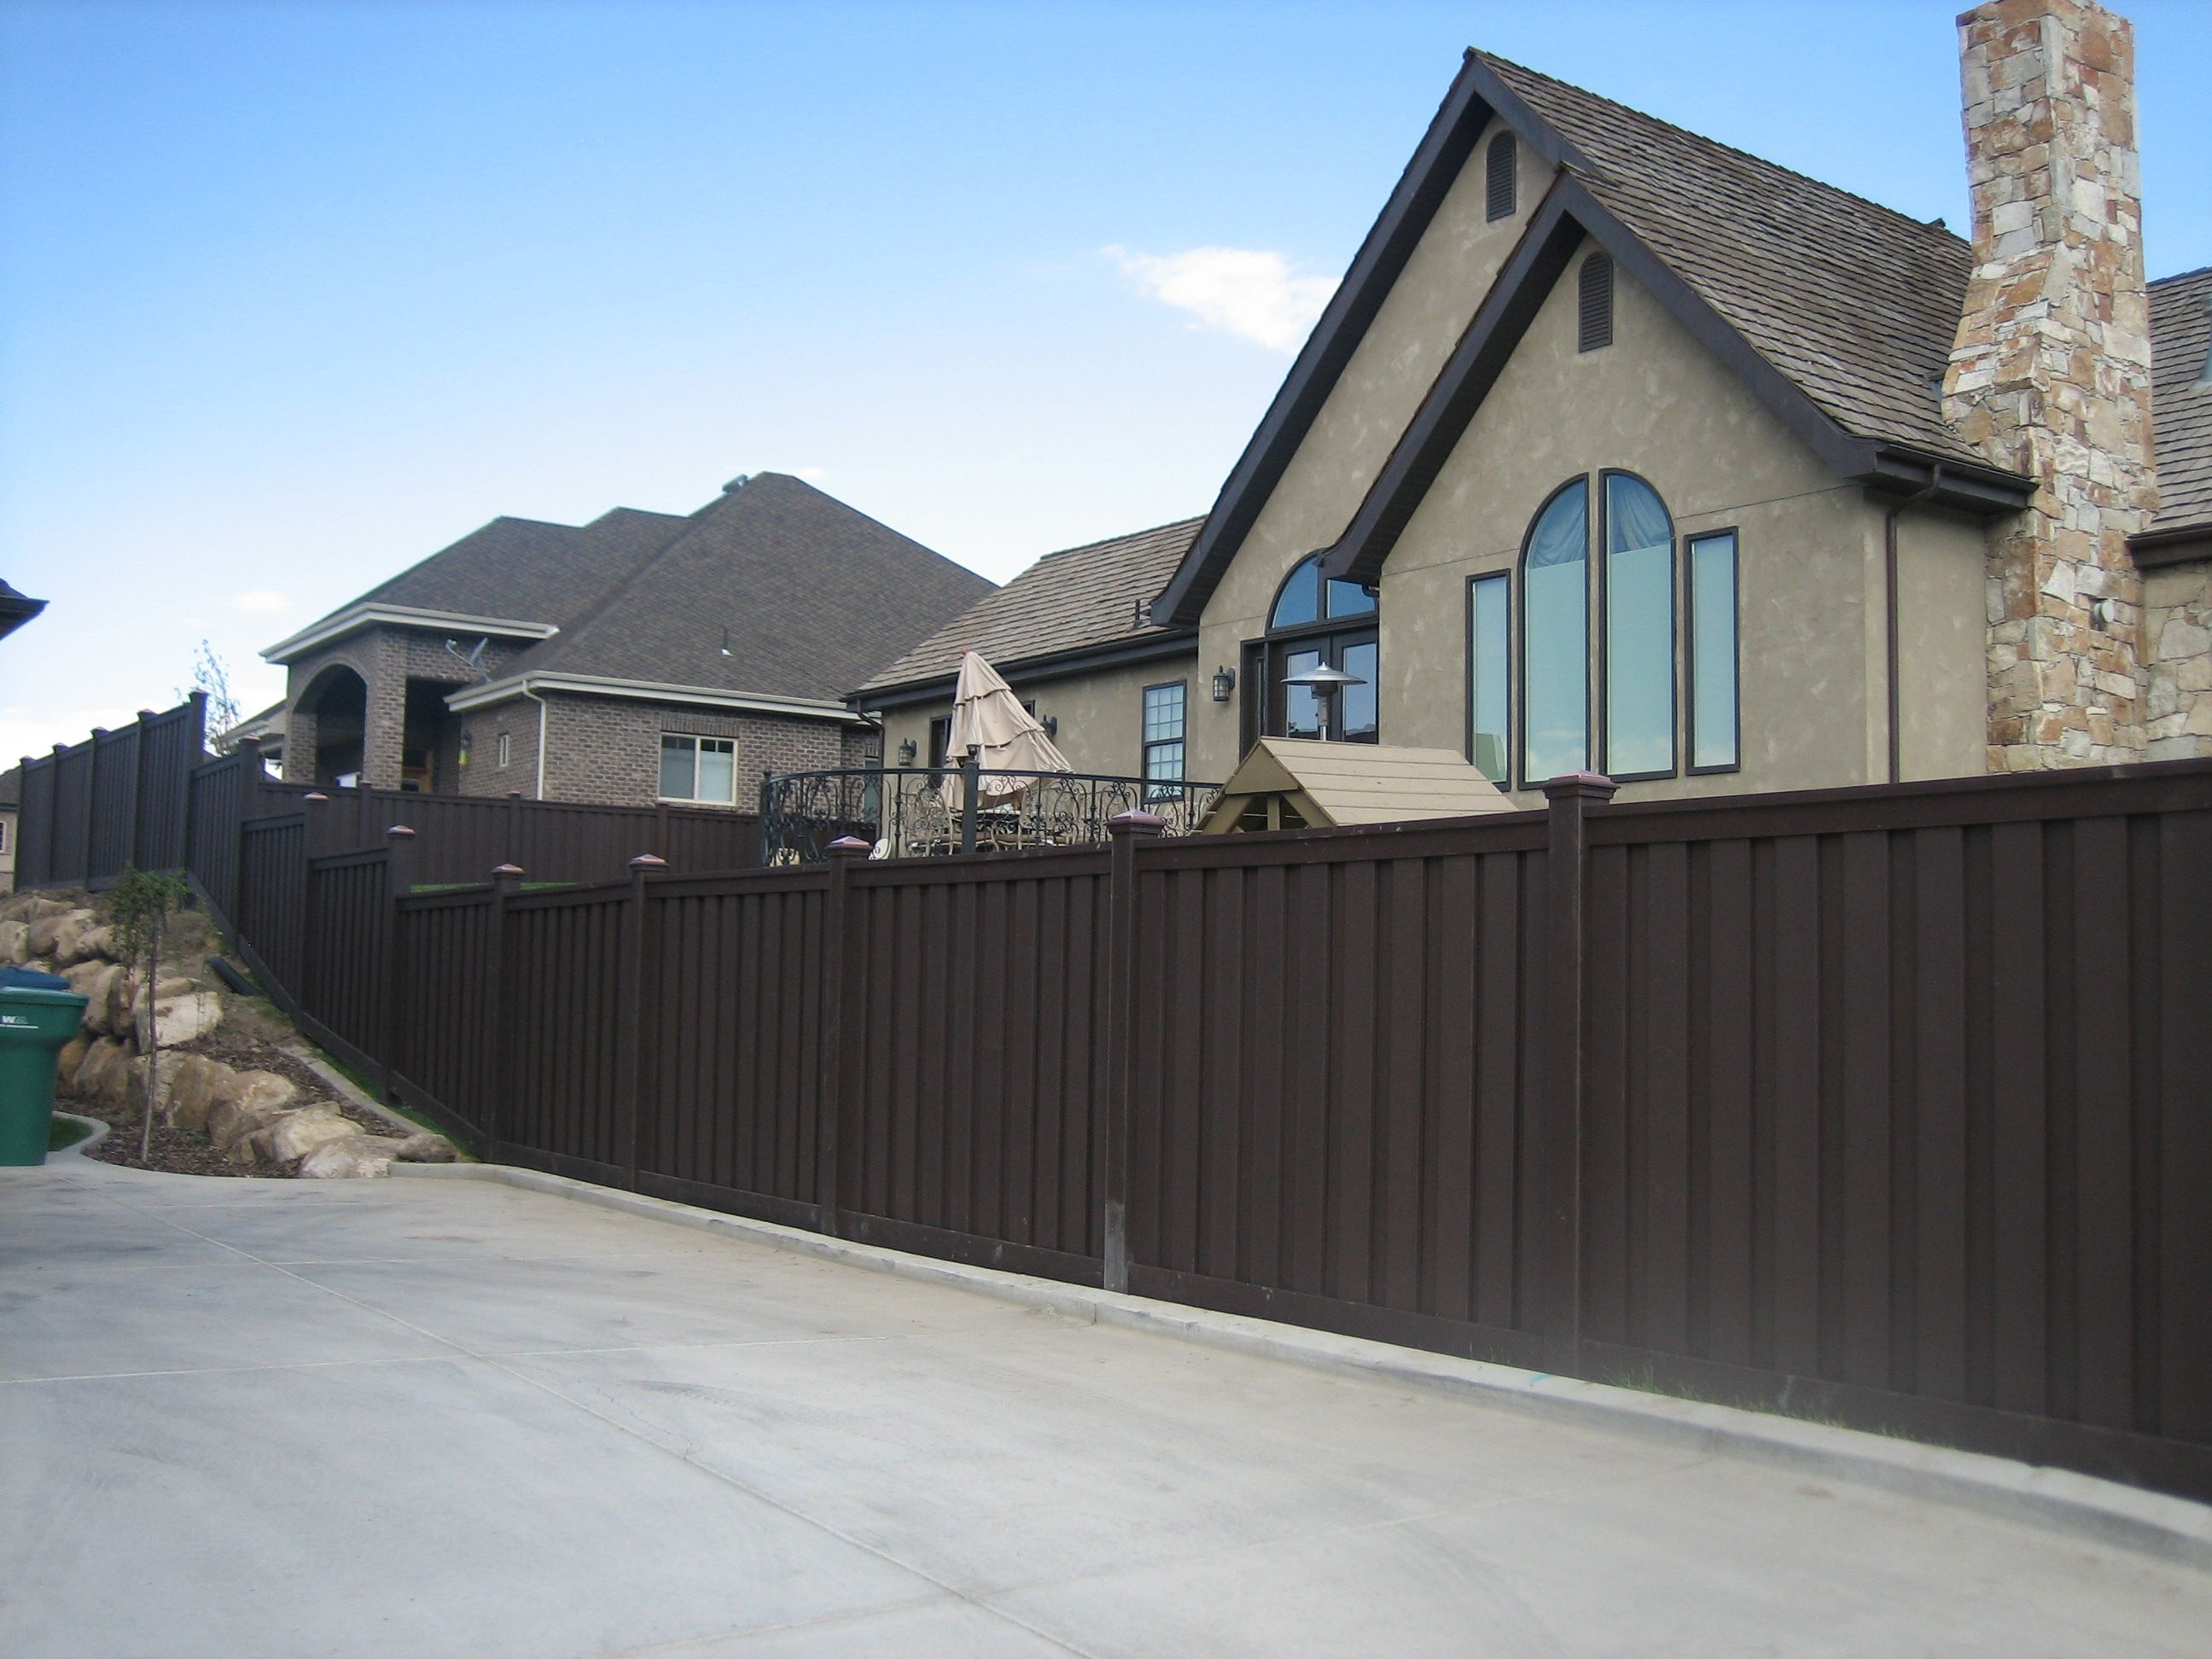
2050, 374
2177, 630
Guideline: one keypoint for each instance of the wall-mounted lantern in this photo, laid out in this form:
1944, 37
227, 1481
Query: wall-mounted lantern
1051, 724
907, 752
1225, 682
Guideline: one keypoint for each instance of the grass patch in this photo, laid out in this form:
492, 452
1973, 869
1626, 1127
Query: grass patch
65, 1131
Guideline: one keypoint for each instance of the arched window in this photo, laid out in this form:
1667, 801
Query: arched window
1639, 630
1555, 637
1315, 621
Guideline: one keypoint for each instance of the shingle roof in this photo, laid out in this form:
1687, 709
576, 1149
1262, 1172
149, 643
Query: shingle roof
1857, 303
1081, 596
2181, 398
812, 593
526, 570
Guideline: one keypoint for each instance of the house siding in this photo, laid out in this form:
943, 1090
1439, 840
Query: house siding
1101, 715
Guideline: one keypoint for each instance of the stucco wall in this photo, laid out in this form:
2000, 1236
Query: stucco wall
1943, 598
1428, 309
1100, 714
1812, 643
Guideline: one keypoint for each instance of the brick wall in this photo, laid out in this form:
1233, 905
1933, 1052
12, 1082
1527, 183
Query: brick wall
385, 658
606, 751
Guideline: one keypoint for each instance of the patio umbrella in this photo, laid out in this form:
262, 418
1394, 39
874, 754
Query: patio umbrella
986, 713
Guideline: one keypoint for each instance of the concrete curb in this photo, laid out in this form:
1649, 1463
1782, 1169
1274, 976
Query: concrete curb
2173, 1529
79, 1148
345, 1089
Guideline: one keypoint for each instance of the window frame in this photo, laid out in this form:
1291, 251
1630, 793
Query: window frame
1512, 672
1689, 663
1602, 642
1263, 655
695, 739
1146, 744
505, 751
1520, 623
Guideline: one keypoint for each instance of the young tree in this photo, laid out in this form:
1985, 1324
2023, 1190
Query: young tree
139, 905
211, 674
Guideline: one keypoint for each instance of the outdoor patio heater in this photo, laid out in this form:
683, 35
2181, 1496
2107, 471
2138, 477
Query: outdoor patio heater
1327, 684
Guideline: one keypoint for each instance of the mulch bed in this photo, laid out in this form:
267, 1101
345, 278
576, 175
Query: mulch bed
188, 1151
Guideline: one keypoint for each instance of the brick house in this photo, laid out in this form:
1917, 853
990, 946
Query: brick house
641, 656
1620, 450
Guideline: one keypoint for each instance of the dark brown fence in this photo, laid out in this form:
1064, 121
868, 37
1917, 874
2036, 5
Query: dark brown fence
147, 795
1893, 1105
118, 798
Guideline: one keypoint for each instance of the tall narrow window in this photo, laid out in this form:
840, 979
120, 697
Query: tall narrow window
1639, 630
1713, 731
1497, 179
1595, 313
1164, 736
1555, 638
1489, 676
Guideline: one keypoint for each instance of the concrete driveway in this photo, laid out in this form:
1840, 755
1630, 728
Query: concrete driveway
439, 1417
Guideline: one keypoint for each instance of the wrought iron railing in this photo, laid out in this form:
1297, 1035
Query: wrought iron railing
919, 812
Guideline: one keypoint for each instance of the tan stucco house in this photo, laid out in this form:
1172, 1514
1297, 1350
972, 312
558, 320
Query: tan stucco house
1620, 450
641, 657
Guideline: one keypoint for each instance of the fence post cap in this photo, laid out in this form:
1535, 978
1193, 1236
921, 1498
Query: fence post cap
399, 832
647, 861
1580, 785
1135, 822
849, 846
506, 872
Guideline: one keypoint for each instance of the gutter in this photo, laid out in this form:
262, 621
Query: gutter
758, 702
542, 711
355, 617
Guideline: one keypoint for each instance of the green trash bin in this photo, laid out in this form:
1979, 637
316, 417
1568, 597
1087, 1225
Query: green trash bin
34, 1024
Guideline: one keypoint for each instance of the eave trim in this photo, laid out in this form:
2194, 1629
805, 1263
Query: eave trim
593, 685
355, 617
1048, 665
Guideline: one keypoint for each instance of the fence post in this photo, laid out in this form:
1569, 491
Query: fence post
135, 798
506, 883
1128, 830
844, 852
970, 782
629, 1056
399, 871
1560, 1137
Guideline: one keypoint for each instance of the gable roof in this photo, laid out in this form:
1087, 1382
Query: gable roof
1837, 312
2181, 402
1343, 783
1078, 598
774, 587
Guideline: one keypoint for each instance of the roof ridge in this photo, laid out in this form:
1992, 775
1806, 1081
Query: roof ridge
1934, 227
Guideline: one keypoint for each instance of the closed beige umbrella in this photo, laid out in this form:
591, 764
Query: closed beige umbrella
986, 713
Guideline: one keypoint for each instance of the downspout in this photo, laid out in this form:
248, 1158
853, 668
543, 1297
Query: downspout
1889, 574
540, 702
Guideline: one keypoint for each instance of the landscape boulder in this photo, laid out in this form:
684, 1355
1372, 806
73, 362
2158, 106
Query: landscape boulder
72, 1057
355, 1157
293, 1135
105, 1055
193, 1090
424, 1148
94, 981
182, 1019
15, 941
50, 934
245, 1102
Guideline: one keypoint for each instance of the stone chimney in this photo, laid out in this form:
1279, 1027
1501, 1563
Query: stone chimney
2050, 373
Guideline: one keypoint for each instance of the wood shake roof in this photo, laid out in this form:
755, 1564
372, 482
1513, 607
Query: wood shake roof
2181, 399
1080, 598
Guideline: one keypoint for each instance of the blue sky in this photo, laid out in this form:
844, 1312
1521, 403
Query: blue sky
292, 296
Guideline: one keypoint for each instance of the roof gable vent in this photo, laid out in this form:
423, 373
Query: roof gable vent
1594, 326
1499, 177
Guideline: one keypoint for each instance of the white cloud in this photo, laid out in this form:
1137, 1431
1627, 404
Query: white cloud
264, 599
1251, 293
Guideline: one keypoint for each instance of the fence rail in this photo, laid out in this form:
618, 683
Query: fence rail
1890, 1104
